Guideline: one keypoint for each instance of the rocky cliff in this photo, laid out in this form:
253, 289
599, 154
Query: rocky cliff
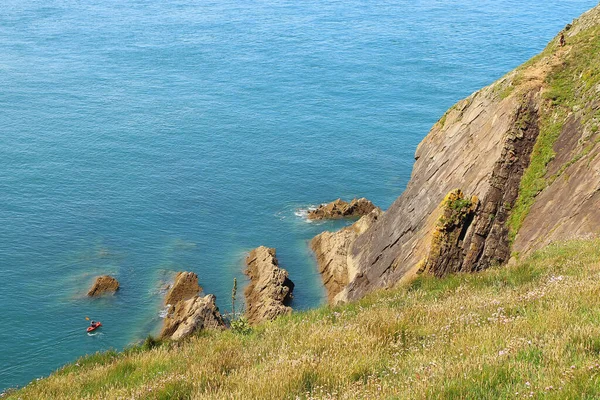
502, 173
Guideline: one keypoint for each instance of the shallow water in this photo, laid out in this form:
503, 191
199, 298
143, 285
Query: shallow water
141, 138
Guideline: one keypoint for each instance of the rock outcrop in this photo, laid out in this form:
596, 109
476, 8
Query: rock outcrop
270, 290
525, 148
340, 209
445, 253
331, 250
103, 284
191, 315
187, 311
185, 286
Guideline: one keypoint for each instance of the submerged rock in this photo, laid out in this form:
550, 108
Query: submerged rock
270, 289
103, 284
184, 287
191, 315
340, 209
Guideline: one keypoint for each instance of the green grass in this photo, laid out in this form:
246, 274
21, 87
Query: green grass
531, 329
442, 120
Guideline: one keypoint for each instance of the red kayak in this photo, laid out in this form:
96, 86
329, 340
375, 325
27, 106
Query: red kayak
94, 326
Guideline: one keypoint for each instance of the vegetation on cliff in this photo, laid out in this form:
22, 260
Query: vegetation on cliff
529, 330
571, 85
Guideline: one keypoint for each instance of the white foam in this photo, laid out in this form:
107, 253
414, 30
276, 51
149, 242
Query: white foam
164, 312
303, 213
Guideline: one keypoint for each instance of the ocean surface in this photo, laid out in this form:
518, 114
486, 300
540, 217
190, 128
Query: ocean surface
140, 138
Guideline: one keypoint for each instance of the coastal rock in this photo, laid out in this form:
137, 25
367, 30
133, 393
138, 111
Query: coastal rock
270, 289
340, 209
191, 315
103, 284
187, 311
331, 250
184, 287
568, 208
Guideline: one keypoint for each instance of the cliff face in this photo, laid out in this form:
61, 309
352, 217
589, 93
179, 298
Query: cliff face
472, 150
523, 154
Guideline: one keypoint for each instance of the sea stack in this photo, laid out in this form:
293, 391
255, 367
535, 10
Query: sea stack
185, 286
191, 315
187, 311
270, 290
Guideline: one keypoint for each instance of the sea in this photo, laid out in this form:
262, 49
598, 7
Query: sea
140, 138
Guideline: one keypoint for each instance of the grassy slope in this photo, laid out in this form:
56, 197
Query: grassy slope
530, 330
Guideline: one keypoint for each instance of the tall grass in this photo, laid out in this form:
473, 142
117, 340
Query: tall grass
526, 331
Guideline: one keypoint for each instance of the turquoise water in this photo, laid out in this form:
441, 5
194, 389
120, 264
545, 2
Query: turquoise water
141, 138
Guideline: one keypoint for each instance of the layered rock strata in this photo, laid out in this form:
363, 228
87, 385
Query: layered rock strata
481, 146
270, 290
445, 253
185, 286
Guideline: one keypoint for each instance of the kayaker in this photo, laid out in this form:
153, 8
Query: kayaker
93, 323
